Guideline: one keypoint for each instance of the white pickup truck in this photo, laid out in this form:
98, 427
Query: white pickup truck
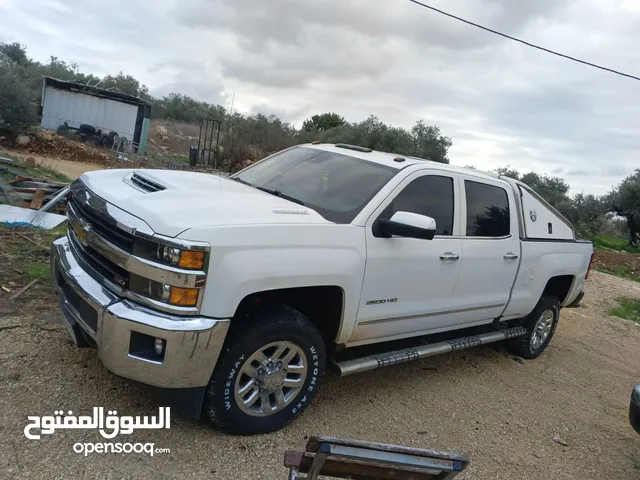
234, 294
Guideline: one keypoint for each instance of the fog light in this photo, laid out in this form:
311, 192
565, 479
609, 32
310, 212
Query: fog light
158, 346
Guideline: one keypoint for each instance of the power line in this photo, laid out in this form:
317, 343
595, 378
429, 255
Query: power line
538, 47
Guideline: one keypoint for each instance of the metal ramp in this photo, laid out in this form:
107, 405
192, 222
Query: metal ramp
360, 460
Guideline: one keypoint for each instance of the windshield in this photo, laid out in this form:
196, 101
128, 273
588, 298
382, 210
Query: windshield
336, 186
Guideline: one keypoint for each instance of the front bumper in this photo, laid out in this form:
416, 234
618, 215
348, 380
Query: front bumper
116, 325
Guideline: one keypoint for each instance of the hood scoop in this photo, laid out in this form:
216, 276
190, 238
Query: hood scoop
144, 184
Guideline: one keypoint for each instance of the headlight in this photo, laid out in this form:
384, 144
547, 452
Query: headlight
191, 259
178, 296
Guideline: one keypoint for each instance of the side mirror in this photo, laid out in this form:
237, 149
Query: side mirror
405, 224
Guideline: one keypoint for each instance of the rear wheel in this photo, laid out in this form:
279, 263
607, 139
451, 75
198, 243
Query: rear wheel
540, 325
267, 374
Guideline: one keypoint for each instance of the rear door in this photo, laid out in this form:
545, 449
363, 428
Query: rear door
490, 250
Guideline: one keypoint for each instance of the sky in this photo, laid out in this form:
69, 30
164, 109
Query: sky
502, 103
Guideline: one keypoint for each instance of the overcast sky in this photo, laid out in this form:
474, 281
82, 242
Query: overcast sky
502, 103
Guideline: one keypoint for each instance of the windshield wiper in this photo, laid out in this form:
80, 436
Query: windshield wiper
239, 180
277, 193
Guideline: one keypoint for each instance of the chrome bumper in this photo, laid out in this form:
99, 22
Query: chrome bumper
192, 344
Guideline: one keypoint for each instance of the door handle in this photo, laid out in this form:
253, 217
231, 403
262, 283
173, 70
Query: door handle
510, 256
449, 257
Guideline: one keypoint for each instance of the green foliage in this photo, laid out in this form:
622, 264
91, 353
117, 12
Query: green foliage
625, 201
14, 53
38, 270
628, 309
612, 243
181, 108
16, 111
422, 141
323, 122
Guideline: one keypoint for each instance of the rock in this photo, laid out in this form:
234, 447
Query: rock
30, 161
165, 138
557, 439
23, 140
160, 130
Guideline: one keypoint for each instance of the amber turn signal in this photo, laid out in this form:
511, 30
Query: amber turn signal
184, 297
192, 260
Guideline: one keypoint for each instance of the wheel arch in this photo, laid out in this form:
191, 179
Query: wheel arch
323, 305
559, 287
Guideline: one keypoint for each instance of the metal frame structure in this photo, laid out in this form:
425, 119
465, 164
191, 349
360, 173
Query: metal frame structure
360, 460
210, 126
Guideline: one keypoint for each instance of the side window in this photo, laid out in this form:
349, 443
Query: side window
430, 195
487, 210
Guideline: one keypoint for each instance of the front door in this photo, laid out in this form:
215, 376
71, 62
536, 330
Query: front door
409, 283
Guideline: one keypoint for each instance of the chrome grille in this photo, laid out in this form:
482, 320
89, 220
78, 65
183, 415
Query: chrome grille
98, 265
101, 225
146, 184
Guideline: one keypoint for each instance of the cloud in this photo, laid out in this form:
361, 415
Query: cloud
502, 103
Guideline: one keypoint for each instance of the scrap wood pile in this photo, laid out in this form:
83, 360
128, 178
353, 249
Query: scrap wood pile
33, 192
50, 144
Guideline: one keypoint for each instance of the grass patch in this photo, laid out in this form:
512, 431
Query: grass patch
628, 309
37, 270
612, 243
57, 176
620, 271
24, 253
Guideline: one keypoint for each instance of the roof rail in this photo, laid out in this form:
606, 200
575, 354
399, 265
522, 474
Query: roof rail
357, 148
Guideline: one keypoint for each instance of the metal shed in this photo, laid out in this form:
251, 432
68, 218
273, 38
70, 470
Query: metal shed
79, 104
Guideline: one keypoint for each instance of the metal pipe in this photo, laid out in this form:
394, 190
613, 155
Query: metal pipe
396, 357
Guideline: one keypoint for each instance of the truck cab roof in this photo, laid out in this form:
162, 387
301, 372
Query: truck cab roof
394, 160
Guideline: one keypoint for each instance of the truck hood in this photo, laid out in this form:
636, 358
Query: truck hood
190, 199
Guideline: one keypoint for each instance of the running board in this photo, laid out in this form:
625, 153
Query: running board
372, 362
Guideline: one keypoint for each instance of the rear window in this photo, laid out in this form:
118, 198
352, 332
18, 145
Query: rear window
487, 210
336, 186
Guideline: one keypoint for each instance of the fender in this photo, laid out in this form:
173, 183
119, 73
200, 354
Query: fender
255, 258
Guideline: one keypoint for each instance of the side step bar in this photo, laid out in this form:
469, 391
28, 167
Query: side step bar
372, 362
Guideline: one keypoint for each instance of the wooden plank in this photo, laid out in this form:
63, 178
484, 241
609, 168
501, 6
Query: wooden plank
38, 198
18, 179
24, 289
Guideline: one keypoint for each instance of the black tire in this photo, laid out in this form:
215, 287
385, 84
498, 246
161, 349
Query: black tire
522, 346
113, 139
281, 324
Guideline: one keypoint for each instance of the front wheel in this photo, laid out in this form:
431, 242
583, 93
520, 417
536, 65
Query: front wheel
540, 325
267, 374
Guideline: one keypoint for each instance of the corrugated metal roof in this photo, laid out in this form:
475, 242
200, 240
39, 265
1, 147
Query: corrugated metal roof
89, 90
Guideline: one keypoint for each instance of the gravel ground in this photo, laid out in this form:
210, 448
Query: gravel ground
503, 412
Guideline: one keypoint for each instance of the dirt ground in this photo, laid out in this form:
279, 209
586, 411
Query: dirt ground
500, 410
71, 169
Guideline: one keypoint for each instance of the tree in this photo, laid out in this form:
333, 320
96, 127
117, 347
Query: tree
125, 84
16, 111
323, 122
430, 143
15, 53
625, 202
